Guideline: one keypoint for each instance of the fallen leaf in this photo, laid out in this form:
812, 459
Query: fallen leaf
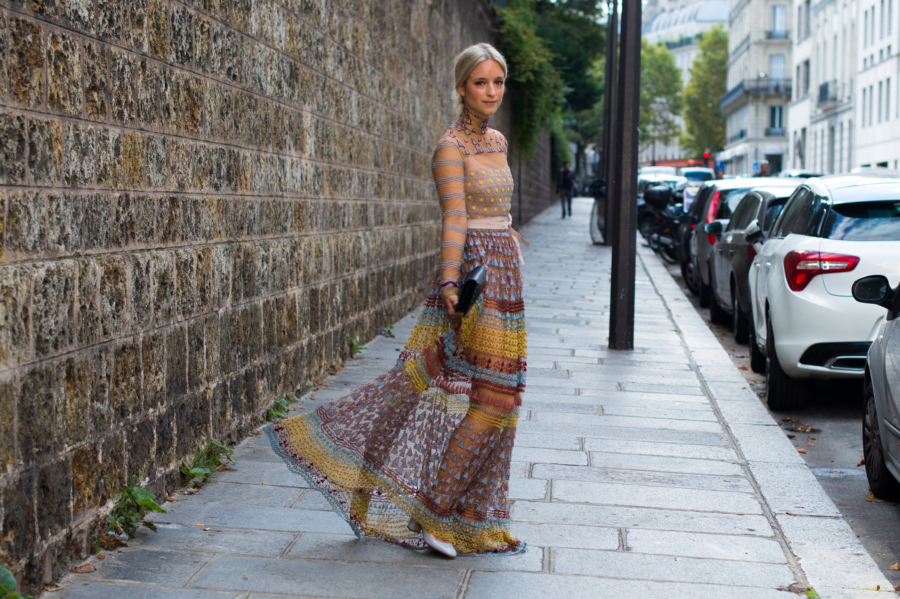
264, 484
789, 420
811, 438
801, 450
897, 587
862, 462
225, 469
54, 588
198, 525
205, 529
742, 367
808, 444
895, 566
170, 498
101, 556
790, 513
790, 436
85, 568
725, 480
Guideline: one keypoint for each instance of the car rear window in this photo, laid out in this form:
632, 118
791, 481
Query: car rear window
864, 221
697, 175
733, 197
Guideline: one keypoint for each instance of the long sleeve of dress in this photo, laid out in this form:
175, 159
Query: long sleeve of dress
448, 170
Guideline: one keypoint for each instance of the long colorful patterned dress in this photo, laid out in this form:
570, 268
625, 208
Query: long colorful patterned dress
432, 438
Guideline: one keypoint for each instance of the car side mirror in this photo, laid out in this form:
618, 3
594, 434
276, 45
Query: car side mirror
874, 289
753, 234
713, 228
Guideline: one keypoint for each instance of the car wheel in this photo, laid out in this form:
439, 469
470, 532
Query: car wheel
782, 392
705, 291
881, 481
716, 314
739, 324
690, 276
757, 359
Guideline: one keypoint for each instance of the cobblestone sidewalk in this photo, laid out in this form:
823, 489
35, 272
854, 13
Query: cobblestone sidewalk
653, 473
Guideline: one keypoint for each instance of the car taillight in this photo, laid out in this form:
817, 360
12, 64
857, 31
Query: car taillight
711, 216
800, 266
751, 252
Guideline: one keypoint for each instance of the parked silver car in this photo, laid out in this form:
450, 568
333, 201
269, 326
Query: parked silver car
881, 420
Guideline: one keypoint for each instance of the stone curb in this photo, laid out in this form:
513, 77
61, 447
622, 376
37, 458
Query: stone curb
827, 550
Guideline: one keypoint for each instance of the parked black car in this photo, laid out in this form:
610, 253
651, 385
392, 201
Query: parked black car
732, 255
716, 200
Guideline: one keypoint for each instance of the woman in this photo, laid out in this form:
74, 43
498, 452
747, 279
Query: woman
421, 454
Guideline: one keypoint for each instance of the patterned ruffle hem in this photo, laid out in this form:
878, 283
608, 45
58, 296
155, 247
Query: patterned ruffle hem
432, 438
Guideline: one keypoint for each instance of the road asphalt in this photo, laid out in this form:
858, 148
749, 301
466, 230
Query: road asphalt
649, 473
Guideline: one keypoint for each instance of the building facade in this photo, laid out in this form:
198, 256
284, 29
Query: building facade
759, 86
821, 113
679, 25
877, 138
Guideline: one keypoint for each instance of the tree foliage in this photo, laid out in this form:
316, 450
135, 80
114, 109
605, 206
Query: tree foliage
704, 123
533, 81
660, 94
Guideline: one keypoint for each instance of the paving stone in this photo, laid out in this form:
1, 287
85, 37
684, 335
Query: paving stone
255, 517
624, 446
646, 478
222, 492
744, 412
105, 590
548, 441
627, 397
655, 497
673, 410
562, 535
642, 567
665, 464
549, 456
350, 549
328, 579
263, 453
216, 540
258, 473
157, 567
692, 544
313, 500
632, 422
527, 488
615, 432
761, 443
792, 489
483, 585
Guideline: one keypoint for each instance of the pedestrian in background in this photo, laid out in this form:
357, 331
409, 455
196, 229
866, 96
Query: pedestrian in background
565, 187
421, 455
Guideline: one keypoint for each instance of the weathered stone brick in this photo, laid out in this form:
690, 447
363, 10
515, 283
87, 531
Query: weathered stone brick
98, 222
158, 29
168, 220
192, 215
87, 480
20, 516
64, 75
123, 68
154, 369
141, 290
79, 154
176, 363
114, 308
7, 428
156, 154
4, 74
182, 162
203, 279
72, 396
64, 216
109, 158
54, 496
45, 151
185, 283
163, 288
53, 307
123, 22
151, 88
202, 49
182, 36
36, 415
133, 160
140, 441
125, 385
12, 148
197, 370
26, 225
26, 62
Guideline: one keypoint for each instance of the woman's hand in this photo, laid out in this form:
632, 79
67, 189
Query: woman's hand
450, 302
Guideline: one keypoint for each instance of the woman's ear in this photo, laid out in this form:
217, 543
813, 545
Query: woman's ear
461, 90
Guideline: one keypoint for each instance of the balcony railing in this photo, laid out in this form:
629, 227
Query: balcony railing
738, 136
681, 43
774, 131
777, 35
832, 93
764, 86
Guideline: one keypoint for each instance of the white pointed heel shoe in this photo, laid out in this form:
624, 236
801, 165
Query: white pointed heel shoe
413, 526
440, 546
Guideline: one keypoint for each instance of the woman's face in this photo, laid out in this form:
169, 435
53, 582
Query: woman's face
483, 90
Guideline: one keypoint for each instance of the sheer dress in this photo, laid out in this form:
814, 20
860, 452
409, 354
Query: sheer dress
432, 438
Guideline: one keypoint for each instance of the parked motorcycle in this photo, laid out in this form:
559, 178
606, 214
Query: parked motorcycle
662, 236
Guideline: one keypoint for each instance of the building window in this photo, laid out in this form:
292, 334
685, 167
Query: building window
872, 23
863, 120
880, 99
887, 99
779, 20
776, 70
881, 25
805, 82
776, 114
890, 15
866, 29
871, 102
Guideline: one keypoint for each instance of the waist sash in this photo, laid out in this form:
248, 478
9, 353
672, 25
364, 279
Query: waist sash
500, 223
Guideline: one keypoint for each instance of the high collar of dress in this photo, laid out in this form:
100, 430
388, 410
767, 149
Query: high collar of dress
470, 122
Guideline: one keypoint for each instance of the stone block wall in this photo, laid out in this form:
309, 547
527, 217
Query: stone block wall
200, 201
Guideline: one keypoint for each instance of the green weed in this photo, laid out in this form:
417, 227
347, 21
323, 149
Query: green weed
132, 503
280, 408
355, 346
8, 585
388, 331
812, 594
205, 462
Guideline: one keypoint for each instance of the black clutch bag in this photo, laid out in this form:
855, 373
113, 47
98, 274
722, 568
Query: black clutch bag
472, 286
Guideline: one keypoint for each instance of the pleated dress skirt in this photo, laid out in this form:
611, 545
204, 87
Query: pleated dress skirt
376, 454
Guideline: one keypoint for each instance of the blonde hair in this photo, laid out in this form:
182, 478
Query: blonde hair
465, 63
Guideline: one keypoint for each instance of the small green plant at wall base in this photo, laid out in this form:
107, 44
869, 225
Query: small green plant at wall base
8, 585
132, 503
355, 347
205, 462
812, 594
388, 331
280, 408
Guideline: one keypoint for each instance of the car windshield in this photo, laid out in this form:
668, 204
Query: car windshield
697, 175
864, 221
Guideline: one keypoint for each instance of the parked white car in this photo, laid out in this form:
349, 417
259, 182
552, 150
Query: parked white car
832, 231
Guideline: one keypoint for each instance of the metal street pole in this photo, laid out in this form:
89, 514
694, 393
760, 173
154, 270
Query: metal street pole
621, 317
609, 120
